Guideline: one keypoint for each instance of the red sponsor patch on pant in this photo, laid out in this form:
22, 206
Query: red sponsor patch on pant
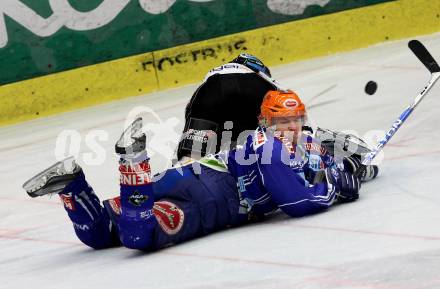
169, 216
68, 201
115, 204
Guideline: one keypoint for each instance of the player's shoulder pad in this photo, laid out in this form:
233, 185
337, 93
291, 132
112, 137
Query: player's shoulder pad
260, 138
228, 68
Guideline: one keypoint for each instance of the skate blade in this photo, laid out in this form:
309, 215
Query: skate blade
52, 179
132, 140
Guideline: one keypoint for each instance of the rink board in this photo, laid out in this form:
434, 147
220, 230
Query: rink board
61, 39
278, 44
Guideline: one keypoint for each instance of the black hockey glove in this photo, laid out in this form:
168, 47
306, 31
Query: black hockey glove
353, 163
345, 185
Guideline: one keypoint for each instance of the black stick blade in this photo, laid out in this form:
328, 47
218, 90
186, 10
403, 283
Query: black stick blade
423, 55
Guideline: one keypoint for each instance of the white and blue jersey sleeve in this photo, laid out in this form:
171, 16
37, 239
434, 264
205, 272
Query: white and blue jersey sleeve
269, 176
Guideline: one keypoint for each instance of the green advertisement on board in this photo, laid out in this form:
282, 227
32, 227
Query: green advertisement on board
47, 36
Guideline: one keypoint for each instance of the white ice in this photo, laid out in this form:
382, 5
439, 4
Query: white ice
390, 238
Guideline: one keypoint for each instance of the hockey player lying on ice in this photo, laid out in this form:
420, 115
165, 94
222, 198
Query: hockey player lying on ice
278, 167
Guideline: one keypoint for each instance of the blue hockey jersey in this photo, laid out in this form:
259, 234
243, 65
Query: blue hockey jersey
272, 173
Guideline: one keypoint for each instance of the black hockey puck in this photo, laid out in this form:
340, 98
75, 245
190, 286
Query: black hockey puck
371, 87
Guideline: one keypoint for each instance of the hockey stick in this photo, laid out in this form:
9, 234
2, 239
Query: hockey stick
426, 58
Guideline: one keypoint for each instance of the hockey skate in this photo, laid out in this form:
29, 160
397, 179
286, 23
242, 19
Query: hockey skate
53, 179
134, 162
132, 142
341, 143
349, 146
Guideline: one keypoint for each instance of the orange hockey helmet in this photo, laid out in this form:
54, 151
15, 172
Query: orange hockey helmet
280, 104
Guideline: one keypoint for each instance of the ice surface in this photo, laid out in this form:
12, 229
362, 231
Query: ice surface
389, 239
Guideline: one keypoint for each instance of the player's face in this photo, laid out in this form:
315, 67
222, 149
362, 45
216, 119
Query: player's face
290, 124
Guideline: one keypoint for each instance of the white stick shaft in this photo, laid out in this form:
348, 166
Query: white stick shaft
398, 123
